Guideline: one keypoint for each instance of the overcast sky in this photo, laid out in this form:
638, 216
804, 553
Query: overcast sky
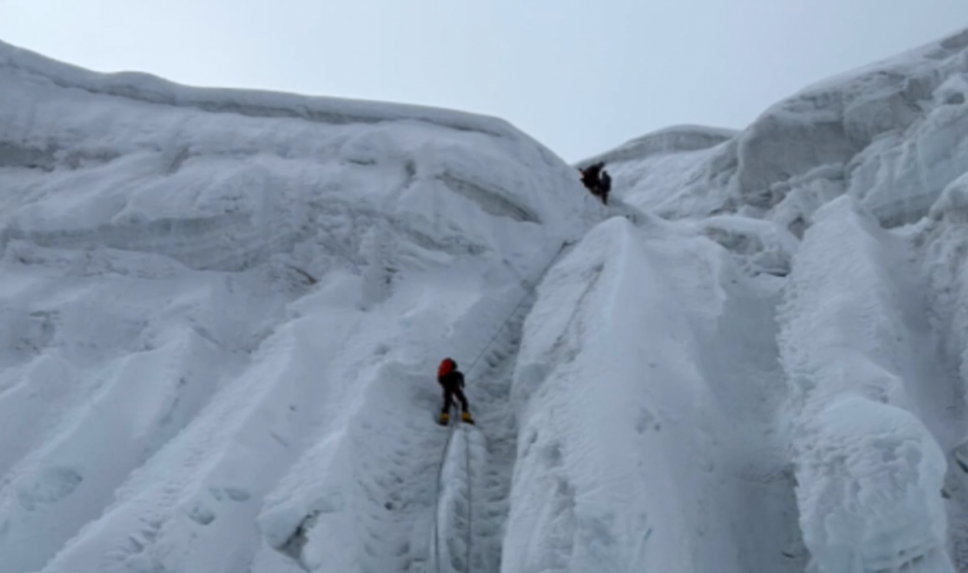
582, 77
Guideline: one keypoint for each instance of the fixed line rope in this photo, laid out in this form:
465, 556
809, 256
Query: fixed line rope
467, 460
439, 488
470, 499
530, 290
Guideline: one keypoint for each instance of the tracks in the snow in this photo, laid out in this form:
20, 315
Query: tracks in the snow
477, 463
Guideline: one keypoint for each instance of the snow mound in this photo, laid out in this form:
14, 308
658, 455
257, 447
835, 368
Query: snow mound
630, 456
943, 242
869, 472
870, 491
227, 304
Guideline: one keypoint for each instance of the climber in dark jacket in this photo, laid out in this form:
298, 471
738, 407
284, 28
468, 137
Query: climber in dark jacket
589, 176
452, 381
604, 186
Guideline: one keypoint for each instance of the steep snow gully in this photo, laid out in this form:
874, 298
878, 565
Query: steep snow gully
223, 312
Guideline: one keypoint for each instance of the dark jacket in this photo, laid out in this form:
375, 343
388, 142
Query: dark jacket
448, 375
453, 379
605, 182
589, 175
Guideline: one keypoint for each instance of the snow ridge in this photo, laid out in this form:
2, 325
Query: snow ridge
676, 139
869, 472
153, 90
622, 396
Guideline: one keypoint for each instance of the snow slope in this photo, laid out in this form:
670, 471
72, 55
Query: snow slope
224, 305
643, 414
225, 309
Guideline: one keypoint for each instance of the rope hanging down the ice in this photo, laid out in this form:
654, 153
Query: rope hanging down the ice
439, 488
470, 500
527, 293
450, 438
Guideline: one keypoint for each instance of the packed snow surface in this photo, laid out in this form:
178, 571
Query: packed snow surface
224, 311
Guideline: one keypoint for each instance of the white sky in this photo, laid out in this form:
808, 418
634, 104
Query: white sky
582, 77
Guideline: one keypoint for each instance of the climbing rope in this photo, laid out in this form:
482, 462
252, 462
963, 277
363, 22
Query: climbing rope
439, 487
467, 444
530, 290
470, 500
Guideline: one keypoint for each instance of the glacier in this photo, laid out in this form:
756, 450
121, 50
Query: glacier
224, 310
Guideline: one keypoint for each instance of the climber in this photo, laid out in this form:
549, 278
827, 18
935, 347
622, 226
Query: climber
452, 381
604, 186
589, 176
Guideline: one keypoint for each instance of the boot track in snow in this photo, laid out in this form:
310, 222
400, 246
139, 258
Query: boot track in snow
474, 477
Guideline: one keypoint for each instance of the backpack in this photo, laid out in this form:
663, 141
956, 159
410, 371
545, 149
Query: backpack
446, 367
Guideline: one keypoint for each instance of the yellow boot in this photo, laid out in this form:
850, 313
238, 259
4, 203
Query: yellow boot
444, 419
466, 416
